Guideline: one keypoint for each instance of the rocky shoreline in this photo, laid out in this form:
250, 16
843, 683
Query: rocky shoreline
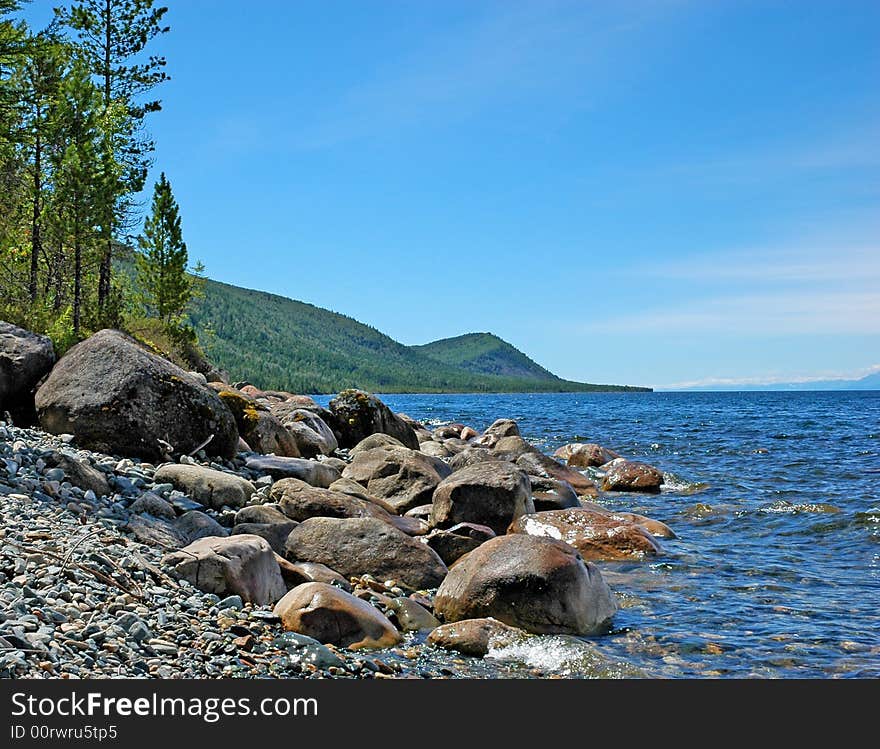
156, 524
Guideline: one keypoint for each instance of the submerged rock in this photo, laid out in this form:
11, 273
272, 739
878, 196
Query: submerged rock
474, 637
585, 455
631, 476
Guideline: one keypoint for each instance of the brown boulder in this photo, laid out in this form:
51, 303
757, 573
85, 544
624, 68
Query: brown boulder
654, 527
358, 546
550, 494
311, 434
498, 430
410, 616
448, 430
257, 427
435, 449
454, 543
267, 513
538, 584
596, 535
301, 501
233, 565
490, 493
474, 637
299, 573
331, 615
401, 477
632, 476
538, 464
471, 456
580, 455
359, 414
374, 441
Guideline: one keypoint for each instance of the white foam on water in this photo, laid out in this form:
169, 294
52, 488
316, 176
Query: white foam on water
558, 654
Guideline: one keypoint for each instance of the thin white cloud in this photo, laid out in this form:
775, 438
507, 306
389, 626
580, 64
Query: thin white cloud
792, 313
829, 261
521, 47
773, 380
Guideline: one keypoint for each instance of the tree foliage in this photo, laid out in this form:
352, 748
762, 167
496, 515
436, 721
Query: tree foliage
74, 155
163, 275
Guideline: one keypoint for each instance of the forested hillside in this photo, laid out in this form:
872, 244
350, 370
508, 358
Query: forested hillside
280, 343
485, 353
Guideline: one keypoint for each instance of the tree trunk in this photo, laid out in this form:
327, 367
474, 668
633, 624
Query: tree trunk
36, 246
105, 273
77, 274
107, 228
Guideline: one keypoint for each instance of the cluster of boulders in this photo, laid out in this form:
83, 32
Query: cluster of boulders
356, 523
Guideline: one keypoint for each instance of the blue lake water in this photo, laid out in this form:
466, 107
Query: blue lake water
764, 580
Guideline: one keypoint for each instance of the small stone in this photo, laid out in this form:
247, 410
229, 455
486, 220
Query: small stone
139, 632
231, 602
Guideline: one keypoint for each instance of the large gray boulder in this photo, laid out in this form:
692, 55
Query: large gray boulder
358, 414
360, 546
490, 493
212, 488
25, 358
235, 565
402, 477
116, 397
538, 584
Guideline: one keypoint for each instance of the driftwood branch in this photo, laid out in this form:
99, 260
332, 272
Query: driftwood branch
202, 446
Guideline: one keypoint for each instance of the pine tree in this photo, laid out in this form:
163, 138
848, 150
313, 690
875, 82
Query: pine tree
112, 34
77, 170
38, 81
163, 277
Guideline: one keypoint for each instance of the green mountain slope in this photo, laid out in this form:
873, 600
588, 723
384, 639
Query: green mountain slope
279, 343
484, 353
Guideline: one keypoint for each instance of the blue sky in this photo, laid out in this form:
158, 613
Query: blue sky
641, 192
